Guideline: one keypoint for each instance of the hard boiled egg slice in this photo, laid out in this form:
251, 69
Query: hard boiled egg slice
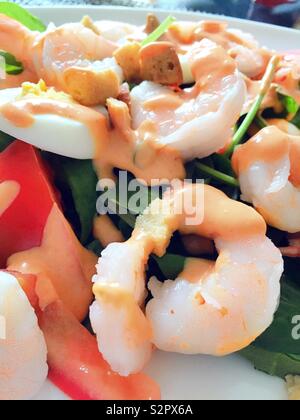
53, 131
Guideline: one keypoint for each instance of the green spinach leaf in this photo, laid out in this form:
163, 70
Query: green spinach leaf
12, 66
20, 14
5, 141
272, 363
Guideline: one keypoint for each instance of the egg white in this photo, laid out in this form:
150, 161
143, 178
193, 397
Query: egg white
50, 132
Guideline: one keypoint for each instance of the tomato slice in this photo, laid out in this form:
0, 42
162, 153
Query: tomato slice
61, 261
77, 367
22, 224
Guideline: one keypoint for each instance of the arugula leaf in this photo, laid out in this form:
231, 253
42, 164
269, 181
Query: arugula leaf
20, 14
95, 247
290, 104
276, 352
77, 181
296, 119
170, 265
80, 176
5, 141
12, 66
278, 338
223, 164
272, 363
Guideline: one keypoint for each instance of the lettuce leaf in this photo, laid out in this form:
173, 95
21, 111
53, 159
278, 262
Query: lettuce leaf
77, 181
12, 66
170, 265
276, 352
290, 104
5, 141
272, 363
278, 338
20, 14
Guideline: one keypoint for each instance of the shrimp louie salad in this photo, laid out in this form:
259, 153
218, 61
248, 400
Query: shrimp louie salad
149, 199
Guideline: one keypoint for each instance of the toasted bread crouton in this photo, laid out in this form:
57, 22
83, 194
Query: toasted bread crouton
90, 87
152, 23
127, 57
160, 64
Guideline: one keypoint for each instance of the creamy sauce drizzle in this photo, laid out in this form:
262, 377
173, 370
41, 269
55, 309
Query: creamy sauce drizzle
114, 148
58, 262
222, 218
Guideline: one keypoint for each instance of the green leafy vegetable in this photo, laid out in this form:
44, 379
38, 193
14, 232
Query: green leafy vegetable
5, 141
290, 104
122, 205
95, 247
296, 119
223, 164
266, 82
20, 14
171, 265
82, 180
260, 122
272, 363
277, 352
163, 27
77, 181
217, 175
12, 66
278, 338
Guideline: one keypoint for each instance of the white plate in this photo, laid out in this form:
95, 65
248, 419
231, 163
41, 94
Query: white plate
196, 377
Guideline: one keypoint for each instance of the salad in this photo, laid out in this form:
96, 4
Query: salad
149, 199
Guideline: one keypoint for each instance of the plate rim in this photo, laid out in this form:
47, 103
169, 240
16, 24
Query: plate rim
209, 16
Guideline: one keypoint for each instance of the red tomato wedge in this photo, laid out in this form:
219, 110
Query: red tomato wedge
77, 367
22, 224
36, 238
62, 261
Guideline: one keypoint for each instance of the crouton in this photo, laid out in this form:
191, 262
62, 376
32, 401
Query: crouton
90, 87
127, 57
160, 64
152, 23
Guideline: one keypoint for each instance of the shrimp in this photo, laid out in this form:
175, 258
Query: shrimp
267, 166
196, 122
288, 75
118, 32
212, 308
284, 126
23, 366
123, 333
20, 47
250, 58
71, 57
